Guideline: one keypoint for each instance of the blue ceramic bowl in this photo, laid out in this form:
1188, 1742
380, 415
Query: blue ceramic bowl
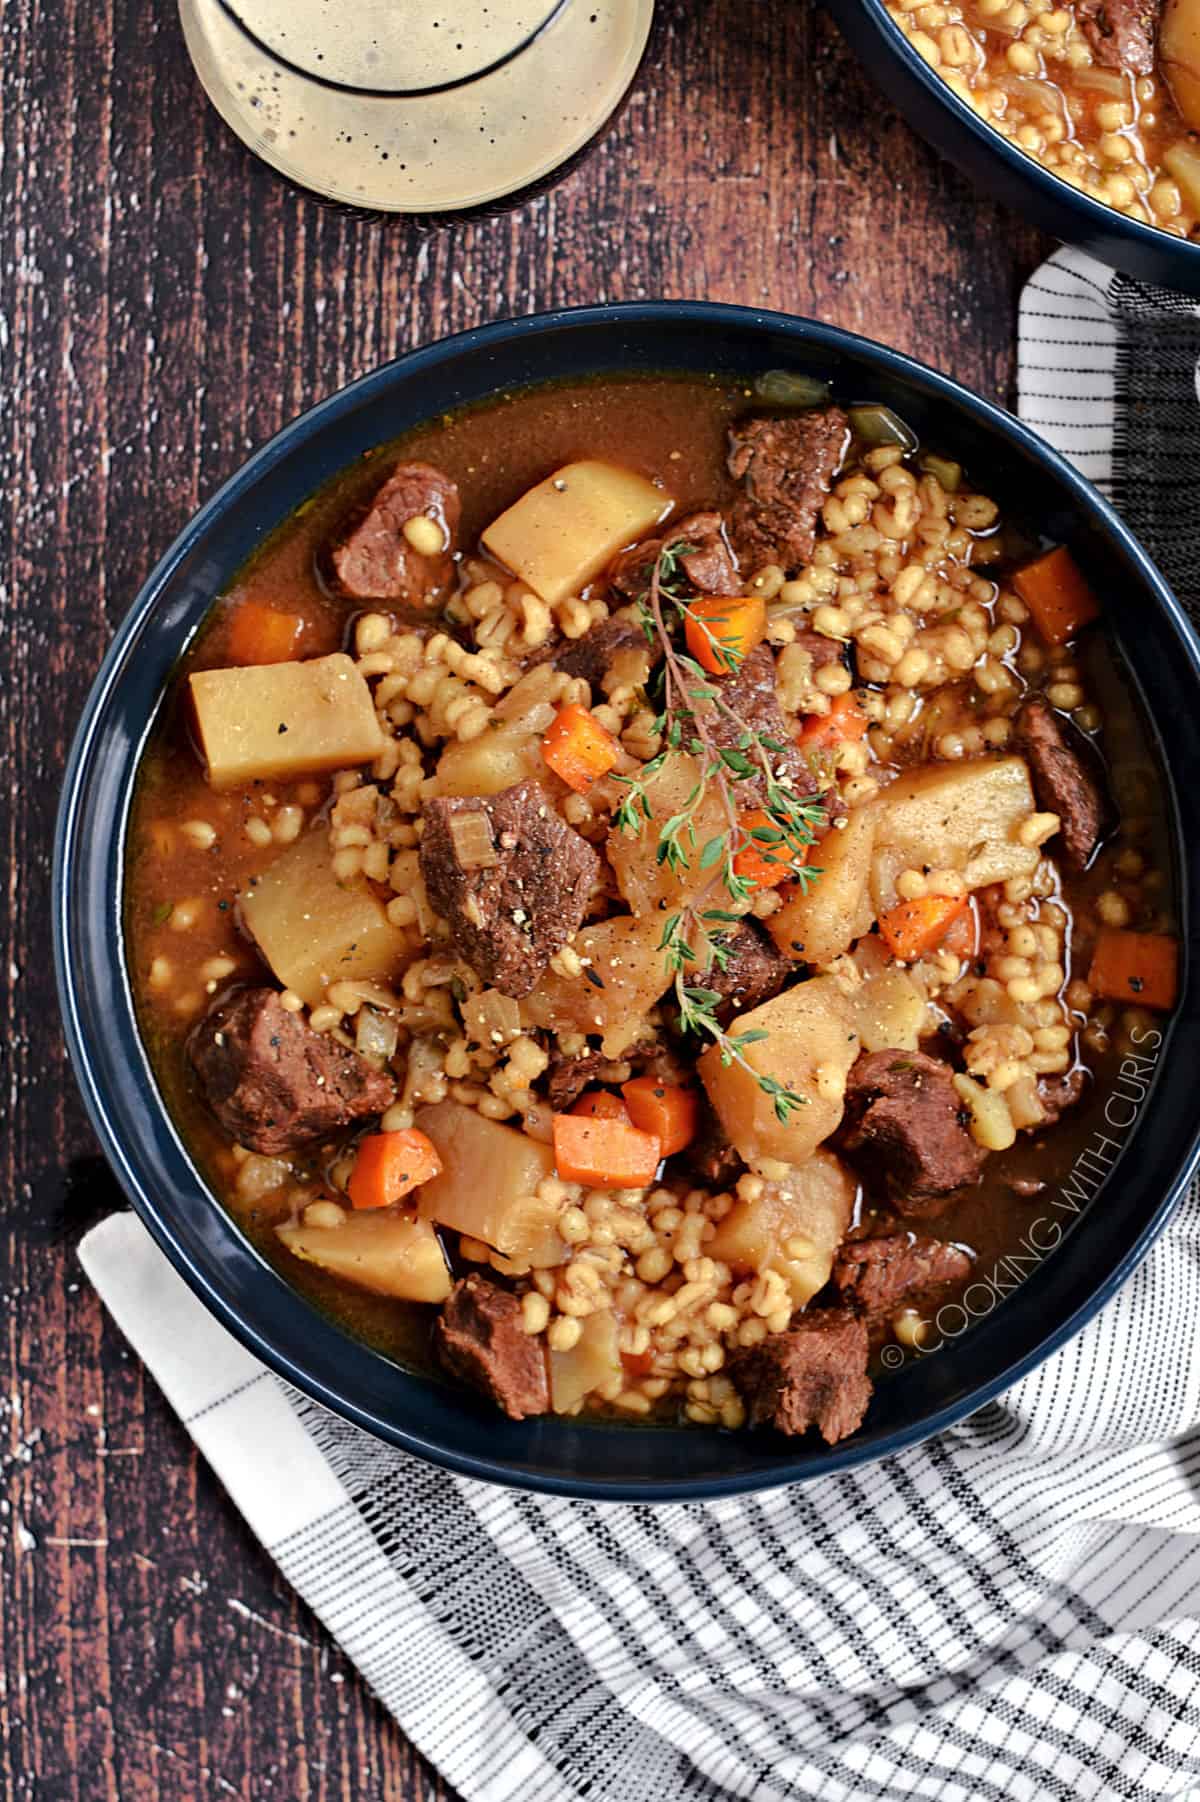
436, 1420
1001, 170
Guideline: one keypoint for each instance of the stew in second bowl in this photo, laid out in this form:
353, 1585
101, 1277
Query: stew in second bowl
1105, 94
629, 896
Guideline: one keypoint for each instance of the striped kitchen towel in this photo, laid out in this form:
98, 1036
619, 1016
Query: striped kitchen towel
1006, 1614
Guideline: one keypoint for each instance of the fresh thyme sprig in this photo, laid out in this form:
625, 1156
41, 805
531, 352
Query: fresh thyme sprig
690, 702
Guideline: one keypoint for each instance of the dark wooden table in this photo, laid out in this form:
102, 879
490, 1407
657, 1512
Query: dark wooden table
165, 304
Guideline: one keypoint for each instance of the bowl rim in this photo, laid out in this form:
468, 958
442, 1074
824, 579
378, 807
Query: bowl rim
1023, 167
284, 444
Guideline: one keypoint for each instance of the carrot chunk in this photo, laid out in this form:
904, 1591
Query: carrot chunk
766, 862
389, 1165
1056, 594
601, 1104
578, 748
604, 1154
1140, 968
721, 633
259, 634
668, 1110
912, 928
845, 723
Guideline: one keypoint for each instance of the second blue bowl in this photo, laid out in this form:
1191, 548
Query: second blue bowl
999, 168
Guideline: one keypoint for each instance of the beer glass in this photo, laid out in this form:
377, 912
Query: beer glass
415, 108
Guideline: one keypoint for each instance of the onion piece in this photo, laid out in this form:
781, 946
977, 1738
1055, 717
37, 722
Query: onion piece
528, 699
948, 473
375, 994
785, 388
1033, 96
474, 846
1105, 81
377, 1035
879, 426
537, 718
491, 1018
424, 1071
434, 1014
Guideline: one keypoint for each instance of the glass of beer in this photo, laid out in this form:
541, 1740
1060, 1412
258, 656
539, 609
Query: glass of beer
425, 108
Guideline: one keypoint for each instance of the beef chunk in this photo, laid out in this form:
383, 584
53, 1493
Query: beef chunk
708, 566
568, 1077
710, 1157
904, 1129
750, 693
1058, 1093
273, 1082
814, 1375
508, 917
375, 561
823, 651
787, 468
1061, 779
755, 972
1121, 33
875, 1275
481, 1339
593, 655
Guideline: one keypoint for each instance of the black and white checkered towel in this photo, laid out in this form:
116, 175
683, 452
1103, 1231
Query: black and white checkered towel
1007, 1614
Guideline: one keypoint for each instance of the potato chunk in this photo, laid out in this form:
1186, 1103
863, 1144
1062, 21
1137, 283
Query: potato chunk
628, 975
957, 816
811, 1041
595, 1358
648, 886
313, 929
795, 1226
824, 919
488, 1185
560, 535
284, 719
487, 765
890, 1011
390, 1254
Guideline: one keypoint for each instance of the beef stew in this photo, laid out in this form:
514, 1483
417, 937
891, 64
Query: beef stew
1105, 94
654, 956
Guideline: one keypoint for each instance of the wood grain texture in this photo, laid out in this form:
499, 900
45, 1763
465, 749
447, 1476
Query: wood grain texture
165, 304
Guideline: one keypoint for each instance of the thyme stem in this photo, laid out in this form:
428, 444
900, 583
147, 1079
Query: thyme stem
689, 698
